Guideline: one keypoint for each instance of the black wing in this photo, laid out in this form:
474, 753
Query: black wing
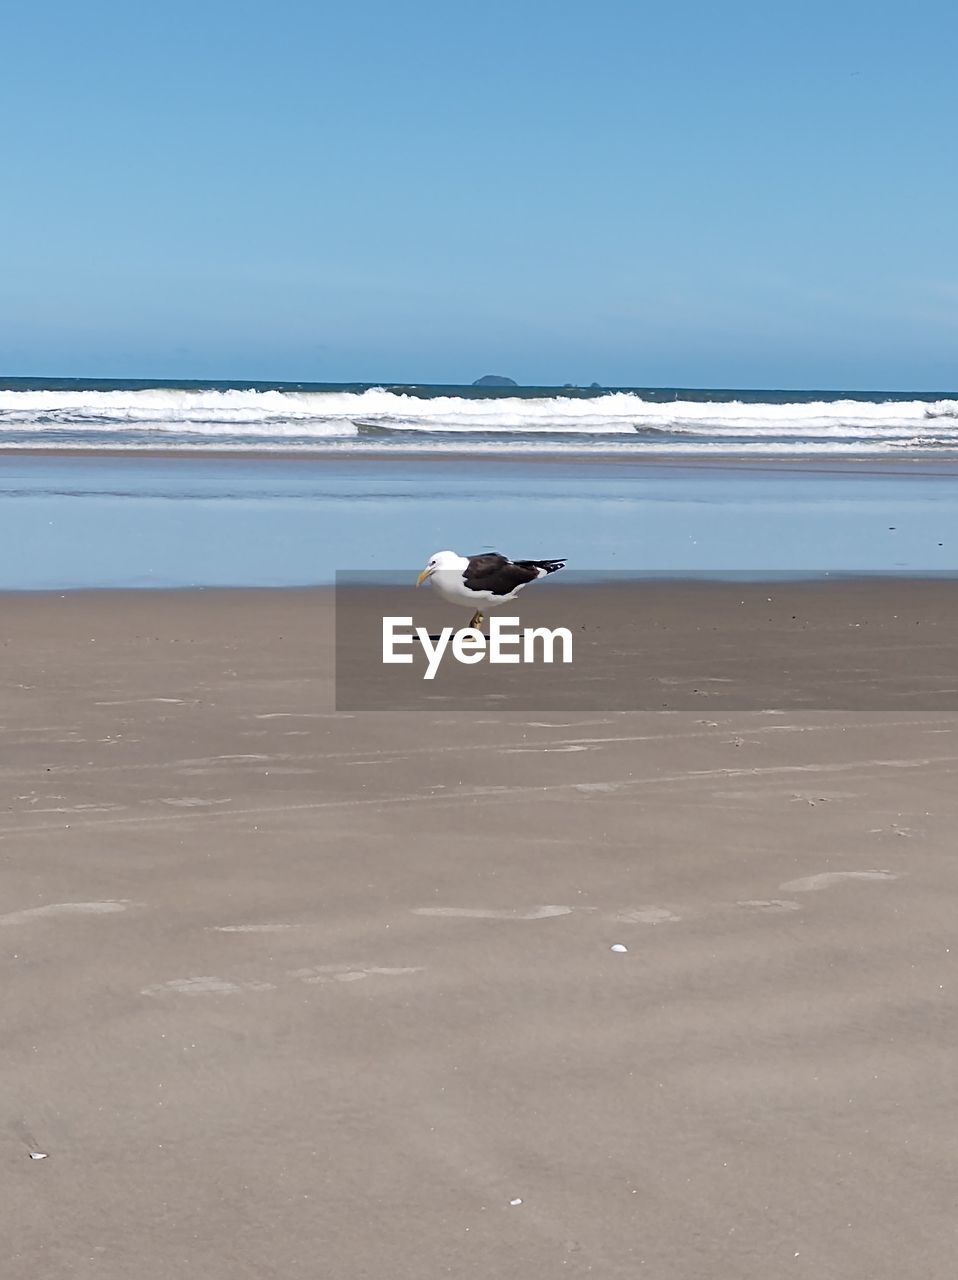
493, 572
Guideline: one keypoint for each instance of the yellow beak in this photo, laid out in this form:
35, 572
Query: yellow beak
426, 573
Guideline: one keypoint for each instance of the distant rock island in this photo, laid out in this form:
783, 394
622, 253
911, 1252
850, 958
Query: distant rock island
497, 380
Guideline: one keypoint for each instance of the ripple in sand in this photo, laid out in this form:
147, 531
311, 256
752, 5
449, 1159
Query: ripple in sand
252, 928
825, 880
493, 913
771, 906
205, 985
63, 909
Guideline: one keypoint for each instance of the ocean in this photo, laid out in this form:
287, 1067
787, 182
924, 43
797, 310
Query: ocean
44, 413
130, 484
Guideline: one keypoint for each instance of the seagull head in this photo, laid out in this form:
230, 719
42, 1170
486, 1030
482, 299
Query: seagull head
439, 560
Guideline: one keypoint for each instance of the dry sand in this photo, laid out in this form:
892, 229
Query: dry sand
300, 994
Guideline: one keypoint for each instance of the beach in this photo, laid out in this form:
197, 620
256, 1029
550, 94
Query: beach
479, 643
635, 963
296, 991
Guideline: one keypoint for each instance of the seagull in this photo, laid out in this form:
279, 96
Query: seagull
490, 579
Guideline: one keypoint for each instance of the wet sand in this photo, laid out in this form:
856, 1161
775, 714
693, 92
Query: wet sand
438, 454
293, 992
164, 521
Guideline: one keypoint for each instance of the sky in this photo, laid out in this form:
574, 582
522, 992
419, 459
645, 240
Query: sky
750, 193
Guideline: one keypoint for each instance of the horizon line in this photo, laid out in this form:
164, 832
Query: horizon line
387, 383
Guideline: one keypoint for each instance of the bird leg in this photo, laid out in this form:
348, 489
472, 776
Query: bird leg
476, 622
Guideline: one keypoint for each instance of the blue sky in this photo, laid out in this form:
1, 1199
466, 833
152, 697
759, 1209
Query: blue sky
746, 193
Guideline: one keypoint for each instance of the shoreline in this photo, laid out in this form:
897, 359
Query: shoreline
585, 581
848, 465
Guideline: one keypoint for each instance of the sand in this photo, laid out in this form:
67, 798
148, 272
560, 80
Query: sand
300, 993
868, 644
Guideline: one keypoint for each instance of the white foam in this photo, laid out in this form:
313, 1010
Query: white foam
616, 422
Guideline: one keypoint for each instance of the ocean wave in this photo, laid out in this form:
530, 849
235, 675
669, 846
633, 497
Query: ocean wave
246, 418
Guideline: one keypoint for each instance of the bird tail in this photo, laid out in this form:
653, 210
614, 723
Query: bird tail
546, 566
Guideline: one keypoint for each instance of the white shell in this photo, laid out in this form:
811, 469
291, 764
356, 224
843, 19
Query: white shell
618, 946
38, 1155
515, 1202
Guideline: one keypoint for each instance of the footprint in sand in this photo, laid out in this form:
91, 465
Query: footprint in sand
825, 880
